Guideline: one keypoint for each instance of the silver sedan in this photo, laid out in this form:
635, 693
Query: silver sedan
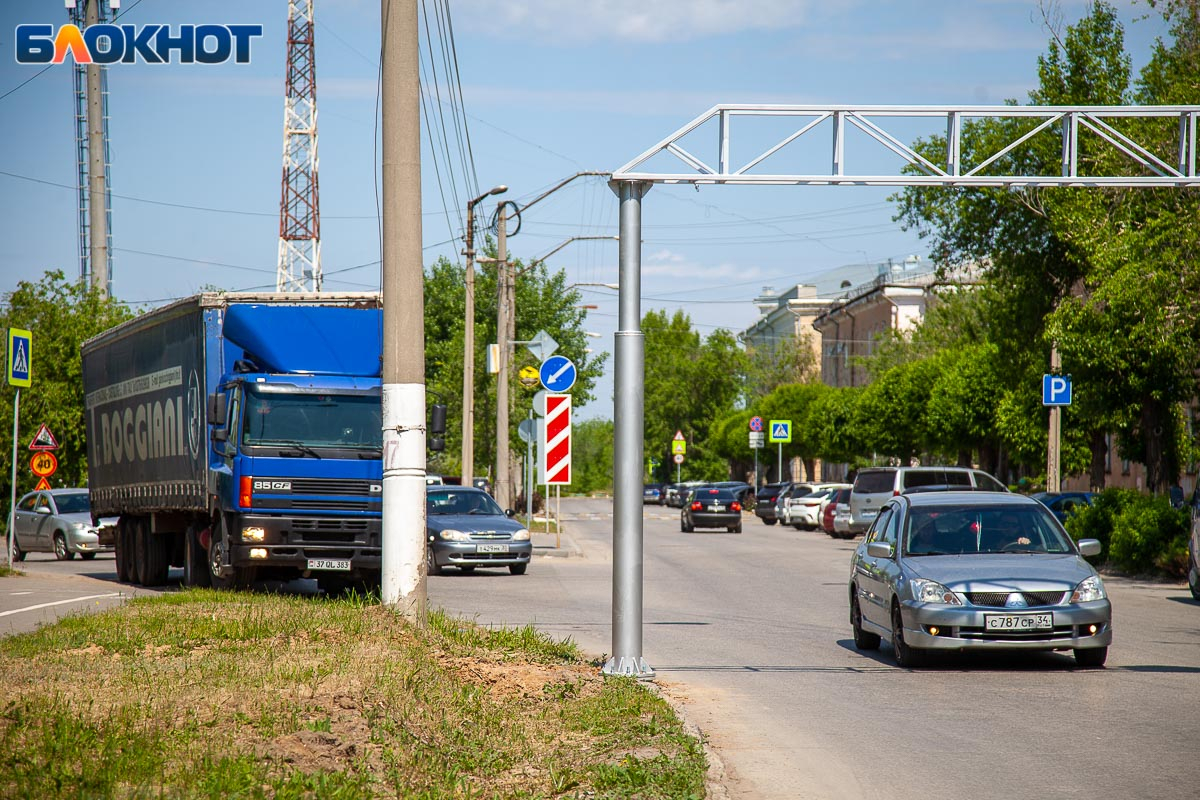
59, 521
976, 571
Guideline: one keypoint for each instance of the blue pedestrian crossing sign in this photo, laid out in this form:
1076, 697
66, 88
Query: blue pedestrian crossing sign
20, 358
1056, 390
781, 431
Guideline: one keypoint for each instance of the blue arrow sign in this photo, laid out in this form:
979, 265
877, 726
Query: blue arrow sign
558, 374
1056, 390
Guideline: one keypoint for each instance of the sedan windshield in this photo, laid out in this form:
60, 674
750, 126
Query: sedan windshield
954, 530
460, 502
73, 503
312, 420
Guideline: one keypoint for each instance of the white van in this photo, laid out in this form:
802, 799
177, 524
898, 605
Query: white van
874, 486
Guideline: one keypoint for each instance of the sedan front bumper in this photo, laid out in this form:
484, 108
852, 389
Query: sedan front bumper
467, 554
964, 628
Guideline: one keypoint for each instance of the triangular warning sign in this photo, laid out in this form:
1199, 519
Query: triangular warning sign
42, 486
43, 440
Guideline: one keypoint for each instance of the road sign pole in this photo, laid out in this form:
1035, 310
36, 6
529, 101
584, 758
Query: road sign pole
755, 449
529, 478
12, 508
780, 467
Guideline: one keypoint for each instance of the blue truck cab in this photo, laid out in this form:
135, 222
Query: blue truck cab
239, 437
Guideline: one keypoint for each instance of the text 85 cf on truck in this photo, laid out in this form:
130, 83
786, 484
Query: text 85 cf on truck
239, 436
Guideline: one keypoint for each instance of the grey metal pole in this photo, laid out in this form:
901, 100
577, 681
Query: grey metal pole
403, 561
97, 196
529, 474
629, 420
503, 487
12, 508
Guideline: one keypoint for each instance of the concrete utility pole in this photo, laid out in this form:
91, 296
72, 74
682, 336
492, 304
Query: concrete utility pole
468, 410
403, 317
504, 313
98, 195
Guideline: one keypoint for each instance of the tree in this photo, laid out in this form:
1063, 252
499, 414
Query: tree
61, 315
789, 360
691, 382
592, 456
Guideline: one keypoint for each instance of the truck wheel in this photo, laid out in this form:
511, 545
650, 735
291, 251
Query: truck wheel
242, 577
122, 551
195, 561
137, 563
152, 553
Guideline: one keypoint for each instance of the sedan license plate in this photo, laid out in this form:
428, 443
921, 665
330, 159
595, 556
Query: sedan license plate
492, 548
1018, 622
335, 564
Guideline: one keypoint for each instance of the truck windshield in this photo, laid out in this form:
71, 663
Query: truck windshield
313, 420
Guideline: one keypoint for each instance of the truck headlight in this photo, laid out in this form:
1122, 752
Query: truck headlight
452, 535
254, 534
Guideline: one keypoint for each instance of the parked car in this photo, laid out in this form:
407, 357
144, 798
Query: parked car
804, 511
874, 485
652, 493
743, 490
465, 528
969, 570
1061, 504
829, 507
765, 499
677, 492
711, 507
841, 520
59, 521
1194, 554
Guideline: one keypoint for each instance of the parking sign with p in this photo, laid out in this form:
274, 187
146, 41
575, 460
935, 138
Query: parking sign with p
1056, 390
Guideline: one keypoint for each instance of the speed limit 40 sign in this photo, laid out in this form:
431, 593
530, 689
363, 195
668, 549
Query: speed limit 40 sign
43, 463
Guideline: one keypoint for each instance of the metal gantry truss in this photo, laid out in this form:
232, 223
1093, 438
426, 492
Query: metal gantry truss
76, 12
299, 211
1067, 125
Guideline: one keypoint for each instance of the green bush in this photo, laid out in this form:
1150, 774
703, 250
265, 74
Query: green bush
1139, 533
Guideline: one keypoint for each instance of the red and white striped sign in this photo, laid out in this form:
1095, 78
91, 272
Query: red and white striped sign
556, 440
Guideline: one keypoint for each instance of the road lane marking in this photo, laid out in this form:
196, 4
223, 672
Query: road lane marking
58, 603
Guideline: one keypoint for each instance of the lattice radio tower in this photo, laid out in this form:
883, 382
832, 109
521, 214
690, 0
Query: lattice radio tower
299, 213
87, 136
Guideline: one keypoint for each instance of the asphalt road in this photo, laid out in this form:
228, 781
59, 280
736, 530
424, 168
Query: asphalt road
750, 632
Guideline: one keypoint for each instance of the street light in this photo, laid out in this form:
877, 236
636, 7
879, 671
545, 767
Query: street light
613, 286
468, 410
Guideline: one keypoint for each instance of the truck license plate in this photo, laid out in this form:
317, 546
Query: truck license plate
1018, 622
335, 564
492, 548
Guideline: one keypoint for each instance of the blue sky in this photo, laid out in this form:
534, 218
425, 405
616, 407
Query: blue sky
549, 88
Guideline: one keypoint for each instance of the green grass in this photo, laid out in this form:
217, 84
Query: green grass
202, 694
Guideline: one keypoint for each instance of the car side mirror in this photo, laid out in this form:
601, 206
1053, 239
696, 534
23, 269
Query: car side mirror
879, 550
1089, 547
508, 512
42, 509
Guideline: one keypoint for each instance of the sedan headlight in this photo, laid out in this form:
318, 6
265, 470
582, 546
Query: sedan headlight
521, 535
452, 535
926, 591
1089, 589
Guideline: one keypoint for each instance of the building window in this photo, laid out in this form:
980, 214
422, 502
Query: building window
1125, 466
1108, 453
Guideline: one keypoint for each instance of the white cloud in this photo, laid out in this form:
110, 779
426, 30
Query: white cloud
631, 20
669, 264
